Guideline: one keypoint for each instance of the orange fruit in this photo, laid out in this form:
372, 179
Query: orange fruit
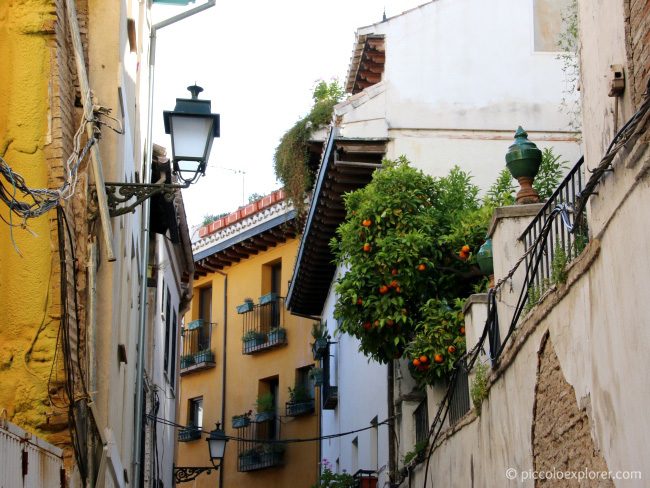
394, 271
394, 284
390, 322
366, 223
462, 331
376, 323
451, 349
359, 301
416, 362
367, 325
383, 289
438, 358
421, 267
463, 255
465, 248
424, 359
367, 247
398, 290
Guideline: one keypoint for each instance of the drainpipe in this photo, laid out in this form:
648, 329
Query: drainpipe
90, 346
392, 465
144, 239
223, 368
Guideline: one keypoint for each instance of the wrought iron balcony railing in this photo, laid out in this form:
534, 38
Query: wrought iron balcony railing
196, 353
190, 433
296, 409
264, 326
254, 455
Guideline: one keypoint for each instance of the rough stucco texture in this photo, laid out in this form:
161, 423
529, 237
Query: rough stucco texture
639, 45
561, 431
30, 313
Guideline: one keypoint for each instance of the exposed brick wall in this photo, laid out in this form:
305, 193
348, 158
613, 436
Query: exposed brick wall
561, 431
637, 29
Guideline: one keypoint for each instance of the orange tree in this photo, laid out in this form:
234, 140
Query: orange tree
408, 245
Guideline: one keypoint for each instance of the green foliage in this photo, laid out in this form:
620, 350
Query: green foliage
550, 173
568, 44
558, 265
401, 242
440, 341
330, 479
209, 218
299, 394
319, 330
291, 155
416, 453
478, 390
264, 403
253, 197
502, 191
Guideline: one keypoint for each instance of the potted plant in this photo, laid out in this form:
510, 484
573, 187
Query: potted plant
245, 307
300, 401
277, 334
187, 360
321, 338
273, 453
265, 407
204, 356
268, 298
241, 421
316, 374
253, 338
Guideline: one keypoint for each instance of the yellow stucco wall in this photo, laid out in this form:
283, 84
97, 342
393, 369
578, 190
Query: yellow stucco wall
245, 279
29, 291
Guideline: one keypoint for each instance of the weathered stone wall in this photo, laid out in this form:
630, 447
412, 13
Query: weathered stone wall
637, 29
561, 430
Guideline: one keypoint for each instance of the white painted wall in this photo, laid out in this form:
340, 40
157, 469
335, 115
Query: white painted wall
362, 397
459, 77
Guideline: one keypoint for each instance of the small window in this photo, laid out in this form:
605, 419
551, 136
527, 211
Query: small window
548, 23
205, 303
421, 420
195, 412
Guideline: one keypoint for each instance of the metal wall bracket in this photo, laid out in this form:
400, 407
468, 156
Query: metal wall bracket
183, 474
120, 194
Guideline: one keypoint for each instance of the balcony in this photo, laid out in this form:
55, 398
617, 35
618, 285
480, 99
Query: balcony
330, 397
254, 455
196, 353
263, 325
187, 434
365, 478
297, 409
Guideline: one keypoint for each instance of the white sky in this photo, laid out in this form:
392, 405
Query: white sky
258, 62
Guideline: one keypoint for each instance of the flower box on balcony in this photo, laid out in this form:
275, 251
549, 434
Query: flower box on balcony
264, 416
268, 298
319, 347
188, 434
296, 409
253, 339
187, 361
204, 356
241, 421
278, 334
245, 307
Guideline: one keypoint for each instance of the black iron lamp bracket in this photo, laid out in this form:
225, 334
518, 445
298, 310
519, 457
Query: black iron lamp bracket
121, 193
183, 474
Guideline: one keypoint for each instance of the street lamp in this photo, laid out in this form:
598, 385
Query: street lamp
216, 446
193, 128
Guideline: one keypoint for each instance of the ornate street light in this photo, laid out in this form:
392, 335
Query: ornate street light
216, 446
193, 128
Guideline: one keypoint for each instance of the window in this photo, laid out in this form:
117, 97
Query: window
172, 354
355, 455
548, 23
205, 303
421, 420
168, 319
276, 277
195, 412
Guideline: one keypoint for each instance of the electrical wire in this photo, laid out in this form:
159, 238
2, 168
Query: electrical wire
630, 129
274, 441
